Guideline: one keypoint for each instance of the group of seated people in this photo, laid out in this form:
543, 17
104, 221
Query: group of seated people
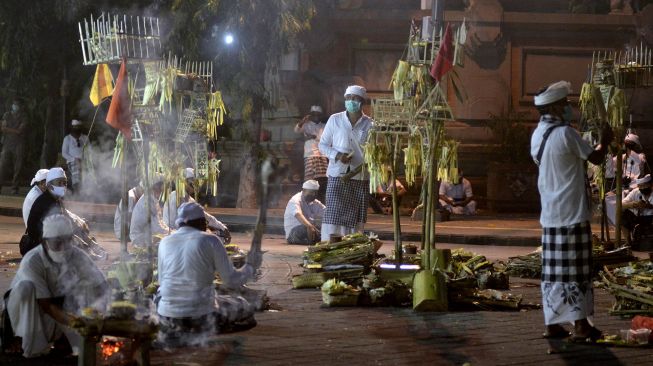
56, 280
304, 211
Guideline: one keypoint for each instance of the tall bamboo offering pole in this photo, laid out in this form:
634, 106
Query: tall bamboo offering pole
429, 284
124, 203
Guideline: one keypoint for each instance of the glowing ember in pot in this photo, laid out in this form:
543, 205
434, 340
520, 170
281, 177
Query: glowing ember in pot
110, 347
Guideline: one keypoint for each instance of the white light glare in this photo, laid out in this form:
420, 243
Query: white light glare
228, 38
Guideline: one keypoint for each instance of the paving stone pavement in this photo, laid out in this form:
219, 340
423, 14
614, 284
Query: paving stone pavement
301, 331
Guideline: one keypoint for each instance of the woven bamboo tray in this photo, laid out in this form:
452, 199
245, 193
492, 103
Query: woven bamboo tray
348, 299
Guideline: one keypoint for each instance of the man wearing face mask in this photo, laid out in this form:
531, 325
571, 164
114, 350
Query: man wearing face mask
560, 153
170, 208
72, 150
48, 203
638, 207
14, 129
458, 198
301, 215
315, 164
341, 141
54, 282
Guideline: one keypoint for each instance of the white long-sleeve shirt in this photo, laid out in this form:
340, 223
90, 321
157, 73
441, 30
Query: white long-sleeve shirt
340, 137
32, 195
72, 149
187, 263
138, 226
312, 211
170, 213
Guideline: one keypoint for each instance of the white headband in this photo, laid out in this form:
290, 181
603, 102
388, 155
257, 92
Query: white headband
553, 93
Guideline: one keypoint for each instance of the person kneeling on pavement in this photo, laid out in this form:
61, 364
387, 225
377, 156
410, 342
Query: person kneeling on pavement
188, 260
54, 282
638, 208
302, 211
138, 226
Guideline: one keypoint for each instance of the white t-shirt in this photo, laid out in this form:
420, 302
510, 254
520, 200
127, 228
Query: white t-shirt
138, 225
315, 129
635, 196
32, 195
311, 211
188, 261
456, 191
71, 279
340, 137
561, 180
170, 213
117, 216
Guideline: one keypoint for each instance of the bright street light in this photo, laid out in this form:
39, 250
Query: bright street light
228, 38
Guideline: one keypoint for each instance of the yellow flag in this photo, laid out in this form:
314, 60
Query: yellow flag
102, 84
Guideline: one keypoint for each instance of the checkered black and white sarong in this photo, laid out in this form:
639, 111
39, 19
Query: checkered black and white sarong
315, 167
346, 202
567, 253
567, 293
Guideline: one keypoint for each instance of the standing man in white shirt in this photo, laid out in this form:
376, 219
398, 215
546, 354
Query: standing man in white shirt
301, 215
560, 152
315, 164
72, 150
38, 187
341, 142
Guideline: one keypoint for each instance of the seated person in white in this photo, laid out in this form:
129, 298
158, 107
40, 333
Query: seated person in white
170, 208
188, 261
138, 227
133, 195
458, 198
302, 211
381, 201
634, 164
38, 187
54, 282
638, 206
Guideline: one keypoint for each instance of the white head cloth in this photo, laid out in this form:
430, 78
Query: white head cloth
643, 180
189, 211
356, 90
54, 173
56, 226
189, 173
553, 93
316, 109
633, 138
39, 176
311, 184
76, 122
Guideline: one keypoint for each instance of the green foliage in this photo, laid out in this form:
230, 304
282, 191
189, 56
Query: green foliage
512, 135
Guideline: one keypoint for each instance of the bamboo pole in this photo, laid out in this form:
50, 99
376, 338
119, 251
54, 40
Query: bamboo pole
124, 204
395, 204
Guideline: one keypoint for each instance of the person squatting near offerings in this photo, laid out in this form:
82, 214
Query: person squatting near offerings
341, 141
170, 209
138, 226
188, 261
315, 164
72, 149
301, 215
458, 197
560, 153
14, 131
38, 187
48, 203
133, 195
638, 208
54, 282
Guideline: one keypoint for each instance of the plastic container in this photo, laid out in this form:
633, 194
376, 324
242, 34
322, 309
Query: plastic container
635, 336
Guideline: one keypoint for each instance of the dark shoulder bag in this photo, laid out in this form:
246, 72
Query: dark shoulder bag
538, 159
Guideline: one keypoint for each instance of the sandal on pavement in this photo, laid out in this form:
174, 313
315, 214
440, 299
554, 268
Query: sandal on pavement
590, 338
557, 332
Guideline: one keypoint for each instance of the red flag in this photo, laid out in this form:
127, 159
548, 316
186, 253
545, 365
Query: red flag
444, 62
119, 116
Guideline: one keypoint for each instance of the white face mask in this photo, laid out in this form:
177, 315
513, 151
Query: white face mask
60, 256
14, 108
58, 191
